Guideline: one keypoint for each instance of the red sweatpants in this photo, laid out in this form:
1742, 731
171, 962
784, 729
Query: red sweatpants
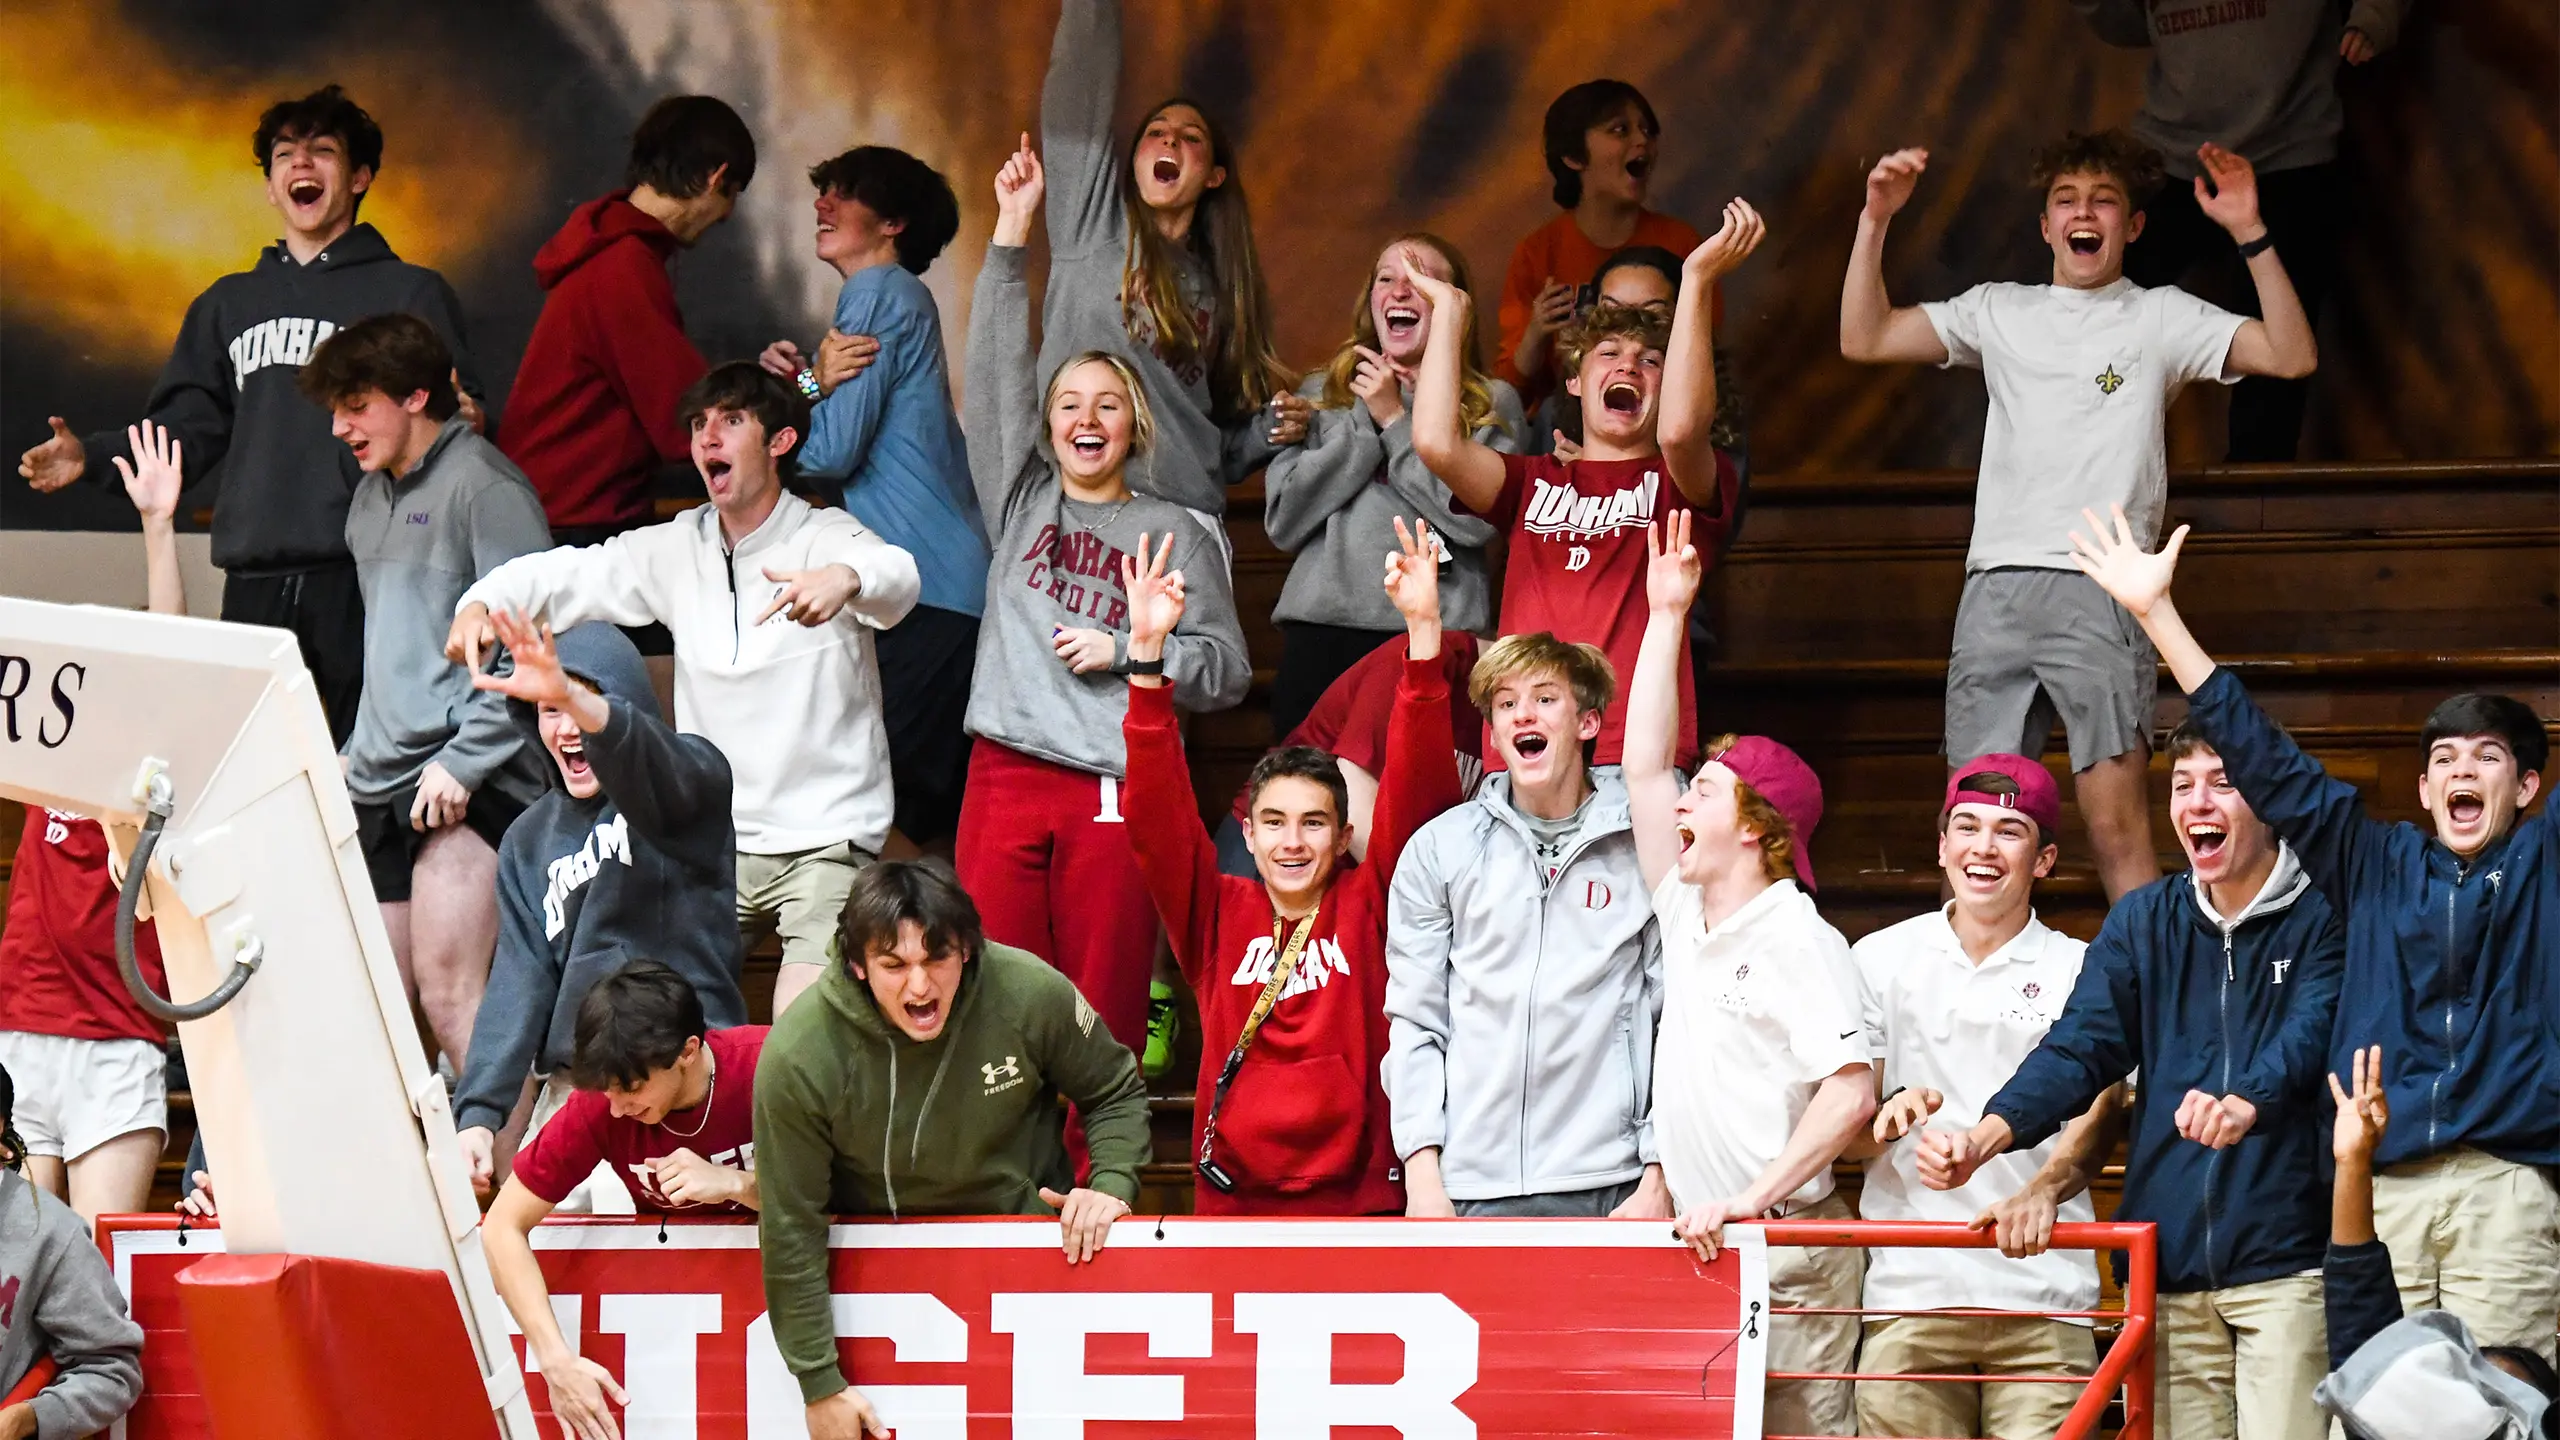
1045, 852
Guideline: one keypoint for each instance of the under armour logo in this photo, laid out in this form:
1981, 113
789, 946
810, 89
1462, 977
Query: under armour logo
1009, 1070
2109, 382
2281, 967
1577, 558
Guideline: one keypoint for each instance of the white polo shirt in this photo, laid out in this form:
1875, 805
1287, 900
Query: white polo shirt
1756, 1014
1942, 1022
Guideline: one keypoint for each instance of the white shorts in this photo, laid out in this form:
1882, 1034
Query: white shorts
76, 1095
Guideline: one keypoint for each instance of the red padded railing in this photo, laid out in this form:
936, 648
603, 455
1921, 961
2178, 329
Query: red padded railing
2130, 1364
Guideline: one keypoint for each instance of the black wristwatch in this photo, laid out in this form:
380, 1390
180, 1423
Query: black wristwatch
1147, 667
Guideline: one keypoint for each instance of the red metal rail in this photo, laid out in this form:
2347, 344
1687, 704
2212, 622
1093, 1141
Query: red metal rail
2130, 1363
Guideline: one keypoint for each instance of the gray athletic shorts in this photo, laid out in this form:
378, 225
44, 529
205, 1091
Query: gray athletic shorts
2036, 646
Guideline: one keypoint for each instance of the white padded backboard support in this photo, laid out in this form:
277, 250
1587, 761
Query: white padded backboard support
304, 1083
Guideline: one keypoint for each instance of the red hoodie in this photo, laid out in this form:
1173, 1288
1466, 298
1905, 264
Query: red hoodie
593, 410
1304, 1130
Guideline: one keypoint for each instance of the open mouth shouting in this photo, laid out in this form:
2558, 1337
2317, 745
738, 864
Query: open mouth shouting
1402, 322
1166, 170
1621, 397
2205, 840
924, 1016
2465, 807
1637, 165
305, 191
1089, 448
1529, 745
2084, 241
573, 758
715, 474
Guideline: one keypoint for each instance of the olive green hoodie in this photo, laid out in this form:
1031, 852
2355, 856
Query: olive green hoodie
854, 1118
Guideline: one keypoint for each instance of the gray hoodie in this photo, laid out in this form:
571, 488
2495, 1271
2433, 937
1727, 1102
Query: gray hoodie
2259, 77
1521, 1011
58, 1299
1196, 456
419, 542
2424, 1378
1333, 502
1057, 563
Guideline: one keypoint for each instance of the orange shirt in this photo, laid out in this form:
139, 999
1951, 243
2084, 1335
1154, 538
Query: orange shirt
1558, 250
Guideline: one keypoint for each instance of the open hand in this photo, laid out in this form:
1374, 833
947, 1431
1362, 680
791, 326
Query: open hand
2230, 200
2136, 578
1156, 598
812, 597
1724, 251
537, 678
1441, 292
1379, 385
845, 1415
1413, 573
1084, 1220
57, 462
1890, 184
841, 357
579, 1387
2023, 1223
153, 477
2364, 1112
440, 801
1905, 1113
1672, 572
2215, 1124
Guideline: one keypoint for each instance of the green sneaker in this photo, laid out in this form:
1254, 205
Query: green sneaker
1164, 1024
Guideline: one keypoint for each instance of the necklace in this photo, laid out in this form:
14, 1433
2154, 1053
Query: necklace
708, 1092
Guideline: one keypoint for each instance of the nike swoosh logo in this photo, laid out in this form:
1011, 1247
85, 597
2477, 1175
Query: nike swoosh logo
1848, 1034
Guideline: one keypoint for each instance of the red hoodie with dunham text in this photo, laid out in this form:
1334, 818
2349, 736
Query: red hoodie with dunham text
593, 410
1304, 1130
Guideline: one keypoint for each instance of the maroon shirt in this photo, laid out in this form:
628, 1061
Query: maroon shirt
58, 954
1350, 719
721, 1130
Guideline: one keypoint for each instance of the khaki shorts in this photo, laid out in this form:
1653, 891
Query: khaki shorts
801, 896
1829, 1277
1950, 1344
2478, 1236
2036, 646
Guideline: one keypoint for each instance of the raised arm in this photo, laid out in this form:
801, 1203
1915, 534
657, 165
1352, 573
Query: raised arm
1421, 770
1000, 417
1689, 400
1503, 432
2281, 344
1076, 103
152, 479
1653, 696
564, 586
506, 523
1204, 657
1472, 470
1174, 853
1872, 328
2362, 1298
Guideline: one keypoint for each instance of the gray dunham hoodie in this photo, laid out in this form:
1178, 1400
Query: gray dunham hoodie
1057, 563
2258, 76
643, 869
228, 394
419, 541
1198, 454
58, 1298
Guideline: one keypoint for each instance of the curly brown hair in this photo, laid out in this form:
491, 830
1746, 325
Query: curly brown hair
1609, 320
2113, 153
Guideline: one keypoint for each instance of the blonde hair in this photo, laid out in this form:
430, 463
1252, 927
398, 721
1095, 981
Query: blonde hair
1142, 416
1583, 668
1777, 837
1236, 349
1610, 320
1475, 388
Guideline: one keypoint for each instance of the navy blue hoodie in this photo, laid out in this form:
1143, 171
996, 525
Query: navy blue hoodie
2453, 968
229, 395
643, 869
2230, 1008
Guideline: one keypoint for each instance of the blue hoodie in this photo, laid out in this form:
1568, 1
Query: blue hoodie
2453, 968
2196, 1002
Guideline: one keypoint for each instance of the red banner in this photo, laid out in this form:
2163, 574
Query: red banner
1200, 1328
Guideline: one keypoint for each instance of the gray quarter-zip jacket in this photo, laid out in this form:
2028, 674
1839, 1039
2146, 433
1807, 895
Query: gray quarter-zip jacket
420, 540
1521, 1011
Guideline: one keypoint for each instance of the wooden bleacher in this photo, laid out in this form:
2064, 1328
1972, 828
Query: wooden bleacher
2351, 597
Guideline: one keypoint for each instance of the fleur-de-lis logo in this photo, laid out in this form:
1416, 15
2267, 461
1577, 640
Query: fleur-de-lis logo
2109, 382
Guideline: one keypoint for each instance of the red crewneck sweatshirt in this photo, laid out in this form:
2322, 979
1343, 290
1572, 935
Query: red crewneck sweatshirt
1304, 1130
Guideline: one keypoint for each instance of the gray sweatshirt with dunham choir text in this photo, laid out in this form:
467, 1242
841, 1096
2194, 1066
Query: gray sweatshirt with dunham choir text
1057, 563
2257, 76
59, 1299
420, 540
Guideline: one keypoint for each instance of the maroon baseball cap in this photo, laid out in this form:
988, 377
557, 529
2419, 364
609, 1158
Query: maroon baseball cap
1783, 779
2038, 798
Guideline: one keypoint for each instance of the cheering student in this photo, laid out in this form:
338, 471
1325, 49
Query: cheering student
891, 441
1601, 140
1044, 844
1647, 277
437, 770
2219, 986
59, 1303
1331, 500
1953, 1001
228, 393
631, 855
1151, 261
1290, 968
922, 995
772, 604
1761, 1070
663, 1101
593, 411
1577, 528
2452, 954
1523, 974
2081, 372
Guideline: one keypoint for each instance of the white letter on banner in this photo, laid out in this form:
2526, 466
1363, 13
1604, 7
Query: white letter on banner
923, 1329
565, 1310
1295, 1397
661, 1334
1053, 1397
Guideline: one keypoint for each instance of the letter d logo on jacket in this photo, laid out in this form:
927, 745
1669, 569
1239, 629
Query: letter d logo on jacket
1595, 895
